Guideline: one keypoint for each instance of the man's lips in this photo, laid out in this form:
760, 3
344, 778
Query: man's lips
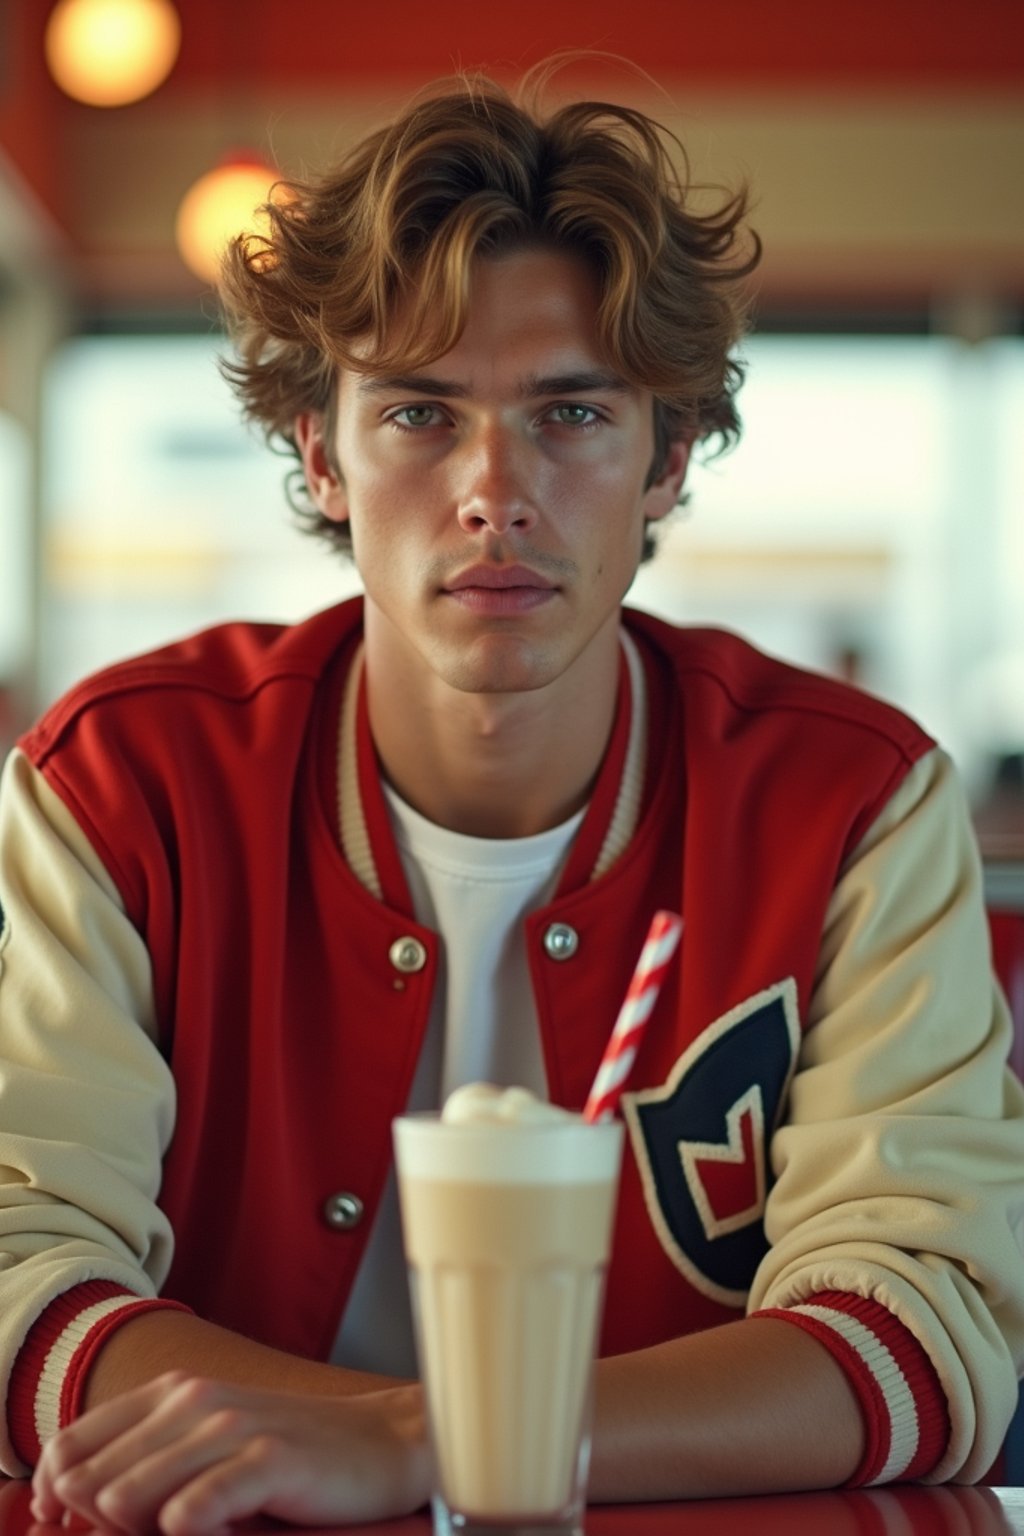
499, 590
498, 578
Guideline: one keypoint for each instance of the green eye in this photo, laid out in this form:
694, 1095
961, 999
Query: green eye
415, 416
574, 415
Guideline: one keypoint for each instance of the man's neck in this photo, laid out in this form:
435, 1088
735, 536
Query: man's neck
495, 765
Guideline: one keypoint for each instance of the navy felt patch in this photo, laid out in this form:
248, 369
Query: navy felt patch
701, 1140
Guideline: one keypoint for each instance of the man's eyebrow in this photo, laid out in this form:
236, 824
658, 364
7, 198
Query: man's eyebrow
586, 382
409, 384
589, 382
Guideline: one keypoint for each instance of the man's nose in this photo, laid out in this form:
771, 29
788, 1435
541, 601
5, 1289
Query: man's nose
494, 484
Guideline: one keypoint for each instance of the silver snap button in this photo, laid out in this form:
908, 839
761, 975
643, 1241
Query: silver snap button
407, 954
561, 941
343, 1211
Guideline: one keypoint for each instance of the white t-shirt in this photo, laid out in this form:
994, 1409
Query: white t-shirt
475, 892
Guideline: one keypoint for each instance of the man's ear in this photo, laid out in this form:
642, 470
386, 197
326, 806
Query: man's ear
326, 488
663, 494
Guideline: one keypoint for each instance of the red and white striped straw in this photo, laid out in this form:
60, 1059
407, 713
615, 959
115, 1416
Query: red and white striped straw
624, 1041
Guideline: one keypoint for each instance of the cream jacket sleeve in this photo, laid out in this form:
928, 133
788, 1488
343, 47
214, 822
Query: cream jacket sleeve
899, 1170
86, 1099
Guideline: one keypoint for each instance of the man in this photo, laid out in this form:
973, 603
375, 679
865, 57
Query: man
267, 888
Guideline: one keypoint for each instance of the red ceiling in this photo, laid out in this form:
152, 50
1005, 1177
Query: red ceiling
774, 42
293, 45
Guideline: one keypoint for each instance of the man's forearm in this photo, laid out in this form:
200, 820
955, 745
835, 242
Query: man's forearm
752, 1407
154, 1342
755, 1406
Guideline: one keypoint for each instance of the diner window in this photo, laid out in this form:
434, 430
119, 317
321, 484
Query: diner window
867, 523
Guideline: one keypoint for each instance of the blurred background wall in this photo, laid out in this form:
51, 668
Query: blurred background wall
870, 521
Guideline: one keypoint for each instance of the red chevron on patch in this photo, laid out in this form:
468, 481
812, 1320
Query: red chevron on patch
727, 1179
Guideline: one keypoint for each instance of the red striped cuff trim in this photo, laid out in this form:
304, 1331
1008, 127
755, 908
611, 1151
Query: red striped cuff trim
49, 1375
906, 1417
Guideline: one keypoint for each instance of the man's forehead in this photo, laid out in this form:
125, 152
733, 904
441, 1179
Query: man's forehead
529, 327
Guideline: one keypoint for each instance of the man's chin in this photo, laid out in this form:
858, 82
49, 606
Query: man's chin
500, 667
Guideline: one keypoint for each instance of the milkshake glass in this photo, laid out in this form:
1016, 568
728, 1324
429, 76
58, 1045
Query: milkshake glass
507, 1209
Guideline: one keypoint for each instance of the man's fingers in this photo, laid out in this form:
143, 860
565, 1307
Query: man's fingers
132, 1500
227, 1491
129, 1496
45, 1507
269, 1476
104, 1423
82, 1439
117, 1469
191, 1457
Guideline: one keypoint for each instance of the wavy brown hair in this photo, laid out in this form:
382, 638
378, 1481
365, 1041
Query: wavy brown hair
471, 171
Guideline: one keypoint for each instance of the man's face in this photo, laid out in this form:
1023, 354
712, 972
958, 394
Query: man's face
496, 498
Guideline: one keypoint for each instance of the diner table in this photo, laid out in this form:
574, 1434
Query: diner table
893, 1511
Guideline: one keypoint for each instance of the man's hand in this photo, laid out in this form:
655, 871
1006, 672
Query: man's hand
188, 1456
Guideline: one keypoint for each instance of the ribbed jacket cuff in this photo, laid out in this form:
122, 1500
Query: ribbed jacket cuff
48, 1379
906, 1417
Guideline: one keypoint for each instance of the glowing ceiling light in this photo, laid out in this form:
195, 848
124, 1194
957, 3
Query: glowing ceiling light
220, 205
111, 52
